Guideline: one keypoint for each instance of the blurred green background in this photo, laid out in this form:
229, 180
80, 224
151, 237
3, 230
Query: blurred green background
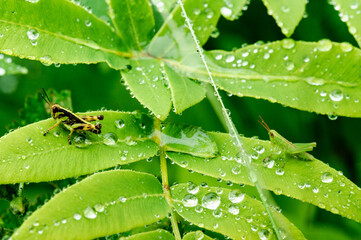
96, 87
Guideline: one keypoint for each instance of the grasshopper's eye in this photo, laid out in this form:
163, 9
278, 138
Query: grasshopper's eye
271, 134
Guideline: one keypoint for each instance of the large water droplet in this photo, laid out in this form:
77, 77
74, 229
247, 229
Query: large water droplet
211, 201
233, 209
77, 216
326, 177
288, 43
89, 213
324, 45
192, 188
110, 139
236, 196
336, 95
32, 34
99, 207
119, 123
190, 200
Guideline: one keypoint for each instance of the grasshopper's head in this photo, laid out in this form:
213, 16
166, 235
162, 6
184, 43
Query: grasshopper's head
55, 110
97, 128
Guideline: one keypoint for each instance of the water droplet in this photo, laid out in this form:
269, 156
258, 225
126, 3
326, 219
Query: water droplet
226, 12
290, 65
119, 123
77, 216
285, 9
190, 200
332, 116
236, 196
88, 23
264, 234
315, 189
192, 188
198, 209
110, 139
89, 213
326, 177
288, 43
29, 140
324, 45
336, 95
217, 213
278, 191
280, 171
233, 209
32, 34
99, 207
211, 201
32, 1
269, 163
236, 170
230, 58
346, 47
2, 71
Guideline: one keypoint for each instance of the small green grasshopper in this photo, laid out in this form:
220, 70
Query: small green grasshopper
72, 121
295, 149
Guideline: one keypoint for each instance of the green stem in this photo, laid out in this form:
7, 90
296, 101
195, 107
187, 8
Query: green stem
165, 184
232, 129
215, 104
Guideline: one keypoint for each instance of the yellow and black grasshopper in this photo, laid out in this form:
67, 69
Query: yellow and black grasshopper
72, 121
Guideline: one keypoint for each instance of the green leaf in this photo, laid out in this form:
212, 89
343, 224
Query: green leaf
157, 234
133, 20
173, 39
97, 7
286, 13
309, 181
185, 92
147, 84
188, 139
316, 77
102, 204
232, 9
58, 32
229, 212
350, 13
7, 67
27, 156
196, 236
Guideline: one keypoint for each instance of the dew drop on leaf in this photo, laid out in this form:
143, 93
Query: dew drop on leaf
217, 213
264, 234
324, 45
280, 171
288, 43
32, 34
99, 207
192, 188
211, 201
89, 213
326, 177
236, 196
190, 200
110, 139
233, 209
119, 123
226, 12
77, 216
336, 95
346, 47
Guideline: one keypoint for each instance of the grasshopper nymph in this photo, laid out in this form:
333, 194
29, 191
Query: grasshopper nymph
298, 150
72, 121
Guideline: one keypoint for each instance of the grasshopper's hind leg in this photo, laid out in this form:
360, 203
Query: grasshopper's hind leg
92, 118
56, 124
71, 132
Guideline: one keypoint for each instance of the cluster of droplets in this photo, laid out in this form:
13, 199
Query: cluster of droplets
231, 205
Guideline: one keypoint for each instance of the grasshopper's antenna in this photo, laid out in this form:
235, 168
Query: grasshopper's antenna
47, 100
264, 124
